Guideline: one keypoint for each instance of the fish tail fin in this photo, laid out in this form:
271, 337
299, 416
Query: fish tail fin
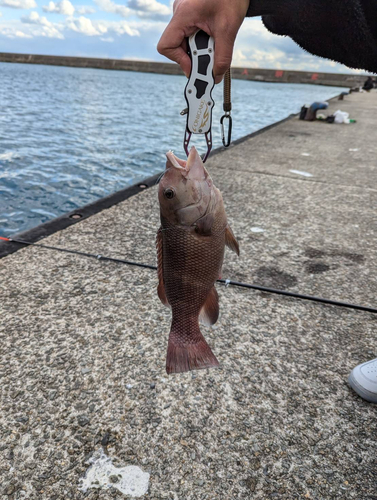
185, 356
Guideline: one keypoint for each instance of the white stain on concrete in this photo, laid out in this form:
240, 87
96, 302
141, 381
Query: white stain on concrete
354, 149
299, 172
257, 230
102, 474
305, 154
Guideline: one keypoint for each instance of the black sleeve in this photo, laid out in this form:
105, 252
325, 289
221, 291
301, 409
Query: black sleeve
342, 30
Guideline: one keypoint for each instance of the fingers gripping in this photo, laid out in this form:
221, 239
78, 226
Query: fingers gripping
173, 46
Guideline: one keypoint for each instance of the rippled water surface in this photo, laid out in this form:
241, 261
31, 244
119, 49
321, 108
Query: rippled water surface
69, 135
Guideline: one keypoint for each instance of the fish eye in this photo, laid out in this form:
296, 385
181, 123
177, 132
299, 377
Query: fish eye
169, 193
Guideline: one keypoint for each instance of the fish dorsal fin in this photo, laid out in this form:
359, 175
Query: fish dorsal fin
161, 287
203, 226
230, 240
210, 311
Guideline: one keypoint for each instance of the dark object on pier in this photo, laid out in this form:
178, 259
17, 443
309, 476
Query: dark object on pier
369, 84
303, 112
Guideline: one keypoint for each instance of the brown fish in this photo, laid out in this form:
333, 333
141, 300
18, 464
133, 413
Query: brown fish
190, 251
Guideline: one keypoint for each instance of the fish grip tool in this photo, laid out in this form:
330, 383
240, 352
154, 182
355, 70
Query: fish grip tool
198, 92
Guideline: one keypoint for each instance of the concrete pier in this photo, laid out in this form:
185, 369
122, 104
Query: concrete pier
254, 74
83, 342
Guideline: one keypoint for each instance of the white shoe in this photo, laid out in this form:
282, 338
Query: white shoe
363, 380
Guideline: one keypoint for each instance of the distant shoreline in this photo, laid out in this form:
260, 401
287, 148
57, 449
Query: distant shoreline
253, 74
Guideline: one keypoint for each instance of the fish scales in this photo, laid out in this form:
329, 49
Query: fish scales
191, 266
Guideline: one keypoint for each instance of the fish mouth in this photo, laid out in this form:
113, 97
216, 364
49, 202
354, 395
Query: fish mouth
175, 161
184, 165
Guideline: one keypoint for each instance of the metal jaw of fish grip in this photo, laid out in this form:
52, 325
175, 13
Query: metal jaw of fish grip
198, 91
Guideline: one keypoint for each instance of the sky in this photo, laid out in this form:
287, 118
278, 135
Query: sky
131, 30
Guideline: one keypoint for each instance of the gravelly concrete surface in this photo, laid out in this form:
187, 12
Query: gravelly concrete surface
83, 342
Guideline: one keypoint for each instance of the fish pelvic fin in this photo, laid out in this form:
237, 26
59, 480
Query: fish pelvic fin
160, 272
186, 356
209, 313
230, 240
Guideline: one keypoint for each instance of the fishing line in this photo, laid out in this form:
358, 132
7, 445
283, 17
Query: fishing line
83, 254
224, 282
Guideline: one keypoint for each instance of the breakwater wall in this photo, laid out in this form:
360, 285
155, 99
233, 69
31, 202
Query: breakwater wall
254, 74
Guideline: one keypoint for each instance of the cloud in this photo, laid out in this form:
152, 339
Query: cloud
150, 8
33, 18
18, 4
117, 27
64, 7
256, 47
85, 9
87, 27
13, 32
84, 26
114, 8
258, 58
46, 28
123, 28
74, 27
21, 34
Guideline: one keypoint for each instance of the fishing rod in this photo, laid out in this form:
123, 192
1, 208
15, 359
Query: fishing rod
225, 282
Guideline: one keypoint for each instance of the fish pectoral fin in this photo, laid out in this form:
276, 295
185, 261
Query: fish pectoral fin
230, 240
203, 226
210, 311
161, 287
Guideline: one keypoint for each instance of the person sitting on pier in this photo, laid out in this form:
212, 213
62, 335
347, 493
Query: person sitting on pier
311, 113
342, 30
369, 84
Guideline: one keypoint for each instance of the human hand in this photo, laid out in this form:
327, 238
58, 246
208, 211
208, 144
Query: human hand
218, 18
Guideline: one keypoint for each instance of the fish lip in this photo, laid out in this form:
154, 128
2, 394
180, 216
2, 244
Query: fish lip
184, 165
176, 162
192, 154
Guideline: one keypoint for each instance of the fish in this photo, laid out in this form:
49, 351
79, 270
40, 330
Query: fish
190, 251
